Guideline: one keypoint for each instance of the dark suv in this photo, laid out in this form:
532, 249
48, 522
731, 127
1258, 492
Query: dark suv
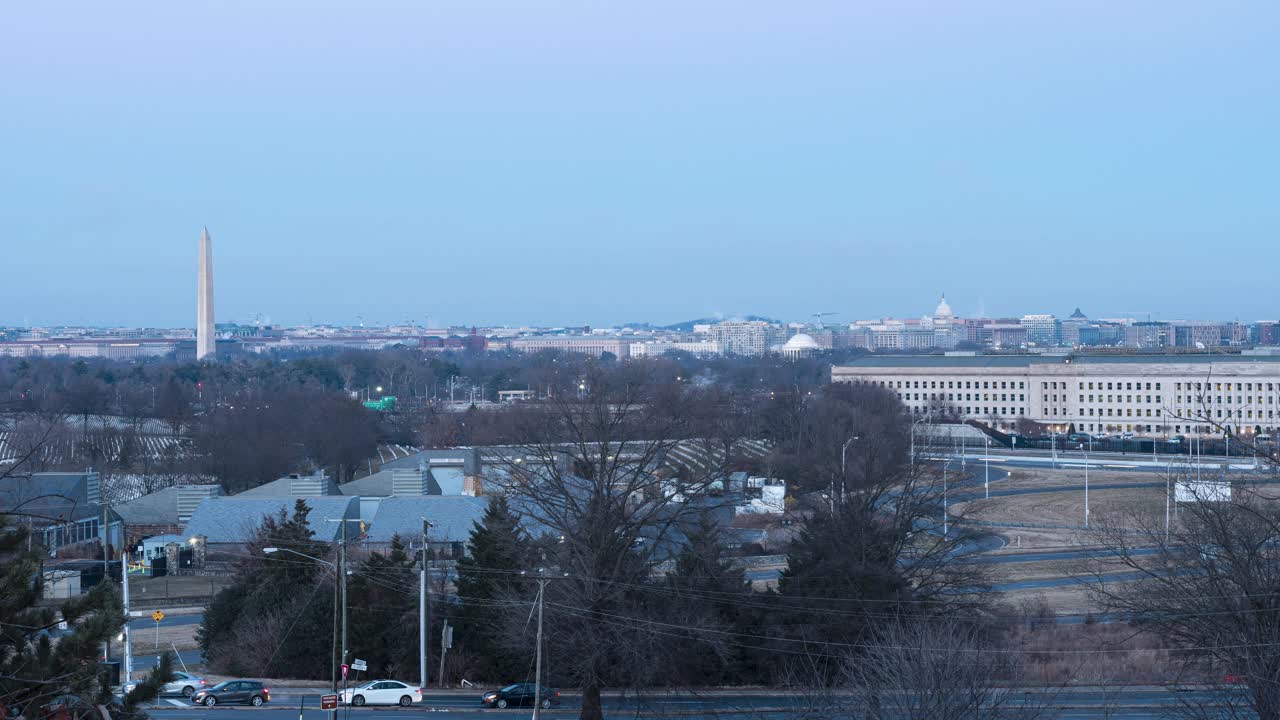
233, 691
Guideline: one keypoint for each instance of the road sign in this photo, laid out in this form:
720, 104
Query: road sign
329, 702
359, 664
345, 668
157, 616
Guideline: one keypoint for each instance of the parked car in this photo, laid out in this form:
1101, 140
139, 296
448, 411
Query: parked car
233, 691
184, 684
519, 695
383, 692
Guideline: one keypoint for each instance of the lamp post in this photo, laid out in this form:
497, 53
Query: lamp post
844, 449
1086, 491
924, 417
986, 468
945, 527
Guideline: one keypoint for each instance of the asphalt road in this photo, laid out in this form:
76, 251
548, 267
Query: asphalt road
1134, 703
146, 623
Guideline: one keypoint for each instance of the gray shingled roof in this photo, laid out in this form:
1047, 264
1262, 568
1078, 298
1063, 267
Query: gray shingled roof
157, 508
451, 517
375, 485
49, 496
234, 519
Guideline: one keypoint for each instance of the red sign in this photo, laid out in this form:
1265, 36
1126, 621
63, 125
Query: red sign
345, 667
328, 702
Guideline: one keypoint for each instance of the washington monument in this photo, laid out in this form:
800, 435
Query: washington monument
205, 344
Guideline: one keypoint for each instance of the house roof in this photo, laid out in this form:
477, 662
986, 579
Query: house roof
452, 517
236, 519
53, 496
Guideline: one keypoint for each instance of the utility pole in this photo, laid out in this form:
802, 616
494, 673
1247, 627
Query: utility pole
333, 654
128, 645
342, 572
106, 563
424, 609
537, 663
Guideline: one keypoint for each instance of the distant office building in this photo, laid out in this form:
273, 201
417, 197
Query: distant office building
1148, 394
585, 344
1198, 334
750, 337
1042, 330
1004, 336
655, 348
1266, 332
1146, 335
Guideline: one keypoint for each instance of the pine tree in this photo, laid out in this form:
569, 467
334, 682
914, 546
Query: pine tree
276, 617
487, 578
384, 590
704, 590
33, 668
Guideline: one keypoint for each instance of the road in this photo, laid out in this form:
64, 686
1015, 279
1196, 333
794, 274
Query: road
1134, 703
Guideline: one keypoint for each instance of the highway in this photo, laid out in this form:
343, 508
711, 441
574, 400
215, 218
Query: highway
1135, 703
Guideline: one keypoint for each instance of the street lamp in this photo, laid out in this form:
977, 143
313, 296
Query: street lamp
945, 463
843, 457
986, 467
1086, 488
924, 417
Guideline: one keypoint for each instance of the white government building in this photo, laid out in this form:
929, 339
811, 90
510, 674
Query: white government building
1142, 394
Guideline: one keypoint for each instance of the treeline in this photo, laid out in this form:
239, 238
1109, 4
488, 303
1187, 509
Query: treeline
252, 420
635, 585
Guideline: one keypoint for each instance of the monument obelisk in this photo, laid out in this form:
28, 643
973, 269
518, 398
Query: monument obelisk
205, 344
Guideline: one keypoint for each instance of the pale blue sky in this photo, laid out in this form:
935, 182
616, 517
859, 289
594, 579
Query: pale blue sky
598, 162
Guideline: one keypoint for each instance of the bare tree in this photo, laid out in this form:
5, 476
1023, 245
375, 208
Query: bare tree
930, 670
590, 476
1210, 583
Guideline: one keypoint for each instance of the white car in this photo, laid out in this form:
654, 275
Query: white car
184, 684
382, 692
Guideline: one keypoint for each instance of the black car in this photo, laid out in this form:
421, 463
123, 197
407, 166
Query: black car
233, 691
519, 695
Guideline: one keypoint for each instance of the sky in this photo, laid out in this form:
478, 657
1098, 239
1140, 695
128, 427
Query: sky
566, 163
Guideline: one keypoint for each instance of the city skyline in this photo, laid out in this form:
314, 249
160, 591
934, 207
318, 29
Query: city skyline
665, 161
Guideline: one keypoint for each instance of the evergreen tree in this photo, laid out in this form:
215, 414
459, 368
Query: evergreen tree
276, 617
487, 578
384, 590
706, 591
33, 669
